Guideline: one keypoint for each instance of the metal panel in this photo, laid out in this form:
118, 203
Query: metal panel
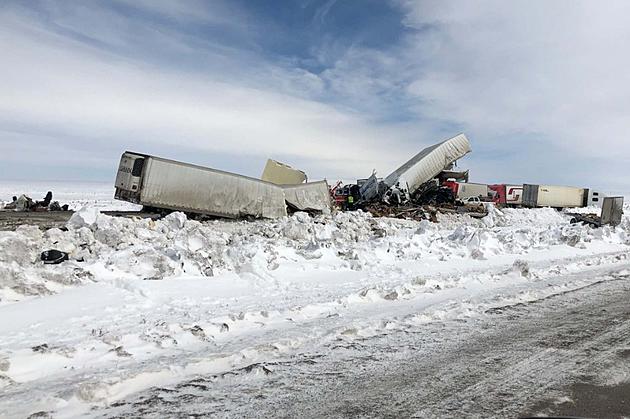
186, 187
369, 189
312, 196
468, 190
612, 210
428, 163
282, 174
530, 195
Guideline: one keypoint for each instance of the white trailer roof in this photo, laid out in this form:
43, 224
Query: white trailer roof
428, 163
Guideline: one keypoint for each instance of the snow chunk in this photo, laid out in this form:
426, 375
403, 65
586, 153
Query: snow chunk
176, 220
85, 217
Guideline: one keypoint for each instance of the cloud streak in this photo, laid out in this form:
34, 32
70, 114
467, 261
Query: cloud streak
539, 87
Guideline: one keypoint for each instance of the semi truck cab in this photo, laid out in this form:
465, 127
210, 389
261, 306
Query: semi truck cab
129, 177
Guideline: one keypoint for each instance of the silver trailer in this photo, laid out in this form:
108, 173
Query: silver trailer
420, 169
468, 190
554, 196
429, 163
311, 196
167, 184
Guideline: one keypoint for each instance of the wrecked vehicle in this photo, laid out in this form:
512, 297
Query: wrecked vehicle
611, 213
25, 203
163, 184
420, 169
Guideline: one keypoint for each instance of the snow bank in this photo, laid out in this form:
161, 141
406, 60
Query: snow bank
226, 295
104, 248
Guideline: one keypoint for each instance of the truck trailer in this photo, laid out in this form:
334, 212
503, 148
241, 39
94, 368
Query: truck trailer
420, 169
554, 196
506, 195
167, 184
465, 190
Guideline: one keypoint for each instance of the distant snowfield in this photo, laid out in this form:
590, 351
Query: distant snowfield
153, 303
75, 194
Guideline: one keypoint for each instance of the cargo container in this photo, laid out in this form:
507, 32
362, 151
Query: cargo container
429, 163
167, 184
465, 190
508, 195
554, 196
421, 168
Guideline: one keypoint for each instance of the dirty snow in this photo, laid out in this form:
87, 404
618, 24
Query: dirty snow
143, 303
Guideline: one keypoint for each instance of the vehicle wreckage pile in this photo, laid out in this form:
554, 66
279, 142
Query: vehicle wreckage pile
414, 189
25, 203
420, 188
427, 184
411, 191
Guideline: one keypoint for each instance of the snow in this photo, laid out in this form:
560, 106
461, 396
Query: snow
143, 303
76, 194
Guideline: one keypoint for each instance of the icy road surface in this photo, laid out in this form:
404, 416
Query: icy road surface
567, 354
233, 318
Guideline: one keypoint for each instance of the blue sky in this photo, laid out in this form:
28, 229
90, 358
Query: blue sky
337, 88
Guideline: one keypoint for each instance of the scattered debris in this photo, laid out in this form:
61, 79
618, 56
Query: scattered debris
121, 352
53, 257
43, 348
612, 211
25, 203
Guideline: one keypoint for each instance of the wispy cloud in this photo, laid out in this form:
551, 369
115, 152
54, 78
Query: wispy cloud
57, 82
337, 88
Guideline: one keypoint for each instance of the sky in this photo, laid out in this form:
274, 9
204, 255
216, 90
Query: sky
335, 88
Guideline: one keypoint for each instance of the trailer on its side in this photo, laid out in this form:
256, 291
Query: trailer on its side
156, 182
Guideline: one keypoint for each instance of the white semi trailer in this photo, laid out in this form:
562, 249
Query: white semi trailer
167, 184
554, 196
420, 169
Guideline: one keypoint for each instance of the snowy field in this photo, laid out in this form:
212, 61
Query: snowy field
75, 194
147, 303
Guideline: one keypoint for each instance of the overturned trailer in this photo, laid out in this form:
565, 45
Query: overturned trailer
420, 169
160, 183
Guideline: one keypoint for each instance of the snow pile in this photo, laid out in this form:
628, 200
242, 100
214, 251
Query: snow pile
104, 248
145, 303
